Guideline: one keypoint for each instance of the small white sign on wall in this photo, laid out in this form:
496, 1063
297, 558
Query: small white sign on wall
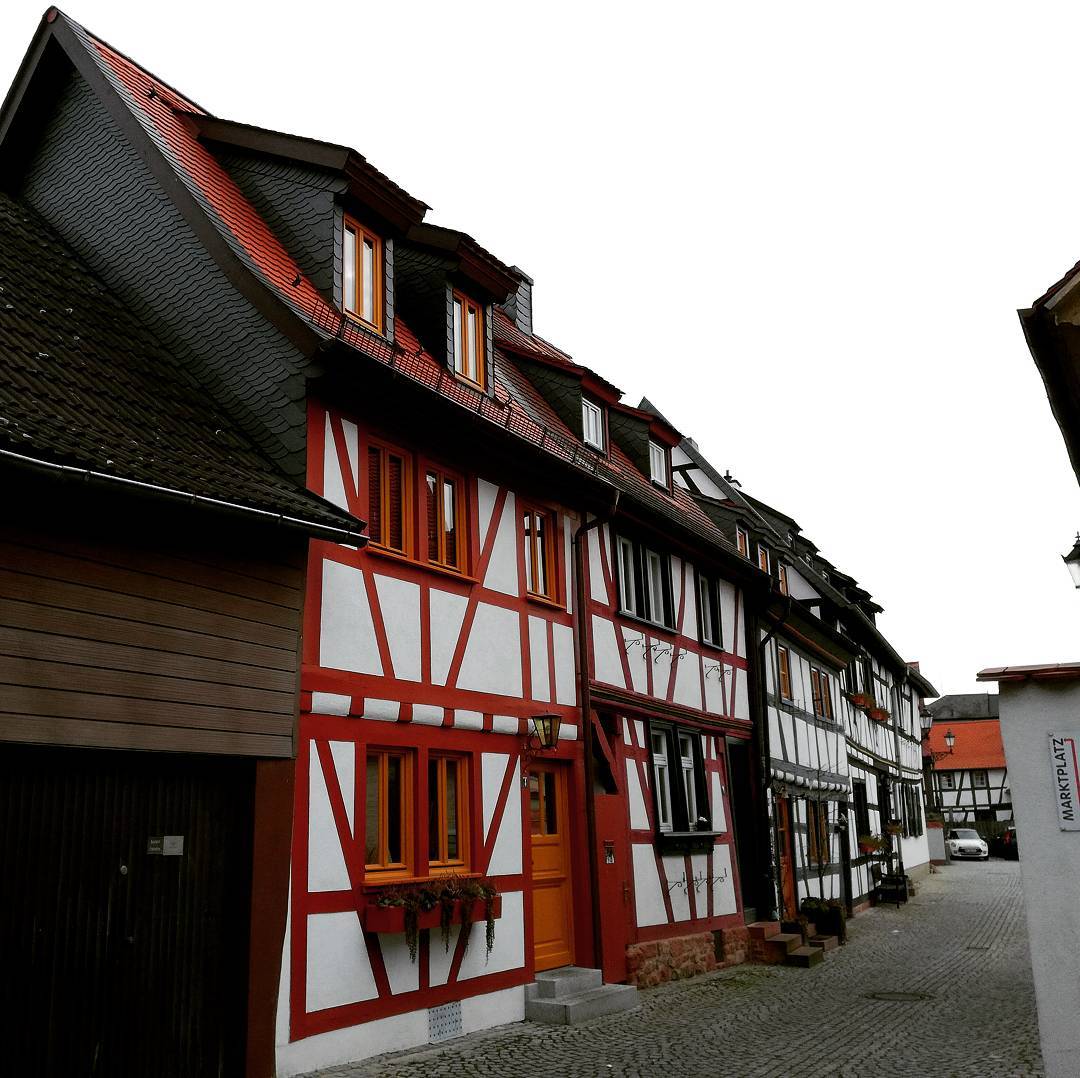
1063, 759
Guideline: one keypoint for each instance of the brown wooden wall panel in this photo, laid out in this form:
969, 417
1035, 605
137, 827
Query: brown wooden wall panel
151, 632
74, 596
121, 735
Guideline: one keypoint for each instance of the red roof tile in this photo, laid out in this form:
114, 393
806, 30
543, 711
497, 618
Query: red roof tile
978, 744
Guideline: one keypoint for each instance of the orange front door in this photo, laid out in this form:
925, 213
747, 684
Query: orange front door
787, 868
553, 932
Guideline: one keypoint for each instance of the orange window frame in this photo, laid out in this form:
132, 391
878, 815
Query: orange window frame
783, 664
742, 541
783, 579
440, 556
383, 867
361, 233
385, 453
468, 305
439, 860
763, 557
533, 557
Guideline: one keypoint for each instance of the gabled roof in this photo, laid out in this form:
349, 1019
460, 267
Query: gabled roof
958, 707
84, 387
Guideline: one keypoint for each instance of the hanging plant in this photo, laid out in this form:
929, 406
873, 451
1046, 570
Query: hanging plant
870, 843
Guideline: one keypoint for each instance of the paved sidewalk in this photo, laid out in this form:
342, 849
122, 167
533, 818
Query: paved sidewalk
962, 942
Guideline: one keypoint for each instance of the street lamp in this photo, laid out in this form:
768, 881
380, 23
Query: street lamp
545, 734
950, 740
1072, 561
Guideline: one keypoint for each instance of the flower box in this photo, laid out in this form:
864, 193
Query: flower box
391, 919
879, 714
861, 699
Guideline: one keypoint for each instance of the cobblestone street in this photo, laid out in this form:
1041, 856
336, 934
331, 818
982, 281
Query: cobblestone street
961, 942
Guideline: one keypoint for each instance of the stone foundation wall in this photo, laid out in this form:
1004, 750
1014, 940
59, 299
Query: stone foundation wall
659, 961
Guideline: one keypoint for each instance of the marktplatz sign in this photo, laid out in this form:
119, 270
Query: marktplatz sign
1063, 757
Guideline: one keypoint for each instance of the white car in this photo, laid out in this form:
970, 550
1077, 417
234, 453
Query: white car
964, 842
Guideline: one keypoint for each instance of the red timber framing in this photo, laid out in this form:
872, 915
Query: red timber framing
428, 702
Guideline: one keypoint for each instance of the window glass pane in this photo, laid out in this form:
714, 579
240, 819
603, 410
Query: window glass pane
691, 797
394, 792
450, 522
626, 576
534, 803
459, 355
434, 853
551, 805
396, 481
432, 482
707, 632
657, 463
527, 528
540, 548
472, 348
662, 799
592, 424
371, 811
375, 521
348, 271
368, 274
451, 799
655, 587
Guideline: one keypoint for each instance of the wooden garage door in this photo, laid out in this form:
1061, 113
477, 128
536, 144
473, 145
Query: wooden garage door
121, 956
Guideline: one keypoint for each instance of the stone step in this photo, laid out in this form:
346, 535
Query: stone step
761, 930
826, 943
567, 981
805, 957
581, 1007
786, 941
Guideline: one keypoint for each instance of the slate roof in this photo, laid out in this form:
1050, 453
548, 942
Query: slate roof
84, 384
978, 744
964, 705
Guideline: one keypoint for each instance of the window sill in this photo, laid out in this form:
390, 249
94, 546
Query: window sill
374, 886
543, 600
687, 841
430, 566
363, 323
639, 620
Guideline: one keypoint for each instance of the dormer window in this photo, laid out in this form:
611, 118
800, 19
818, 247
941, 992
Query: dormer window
763, 558
361, 274
742, 540
468, 340
658, 464
783, 579
592, 424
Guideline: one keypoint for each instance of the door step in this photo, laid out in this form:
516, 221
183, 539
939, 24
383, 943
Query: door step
564, 997
805, 957
825, 943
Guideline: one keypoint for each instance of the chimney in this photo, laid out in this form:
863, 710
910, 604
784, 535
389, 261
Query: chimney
519, 305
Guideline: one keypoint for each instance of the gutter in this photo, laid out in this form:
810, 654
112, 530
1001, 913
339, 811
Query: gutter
200, 501
585, 696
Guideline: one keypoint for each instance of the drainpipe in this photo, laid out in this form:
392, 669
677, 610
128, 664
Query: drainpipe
764, 749
585, 696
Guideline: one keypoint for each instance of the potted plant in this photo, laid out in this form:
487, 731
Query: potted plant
870, 844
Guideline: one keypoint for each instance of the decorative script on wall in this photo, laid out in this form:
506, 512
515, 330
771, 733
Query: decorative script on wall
1063, 758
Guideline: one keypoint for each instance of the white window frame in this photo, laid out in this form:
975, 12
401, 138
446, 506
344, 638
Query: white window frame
711, 632
689, 775
946, 780
592, 418
654, 585
662, 779
658, 464
985, 784
627, 583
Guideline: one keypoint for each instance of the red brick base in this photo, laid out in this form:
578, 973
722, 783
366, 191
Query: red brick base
659, 961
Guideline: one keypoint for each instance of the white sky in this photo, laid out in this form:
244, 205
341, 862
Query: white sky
802, 230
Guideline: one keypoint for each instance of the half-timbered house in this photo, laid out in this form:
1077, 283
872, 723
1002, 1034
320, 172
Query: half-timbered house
971, 781
840, 727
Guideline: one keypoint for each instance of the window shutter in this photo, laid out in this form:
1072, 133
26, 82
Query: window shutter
395, 482
375, 522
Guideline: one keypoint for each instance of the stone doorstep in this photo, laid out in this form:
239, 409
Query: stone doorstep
805, 957
761, 930
582, 1006
825, 943
567, 981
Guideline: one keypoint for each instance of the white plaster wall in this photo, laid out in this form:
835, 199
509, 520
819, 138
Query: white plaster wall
648, 897
399, 602
447, 614
1049, 862
347, 633
492, 661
